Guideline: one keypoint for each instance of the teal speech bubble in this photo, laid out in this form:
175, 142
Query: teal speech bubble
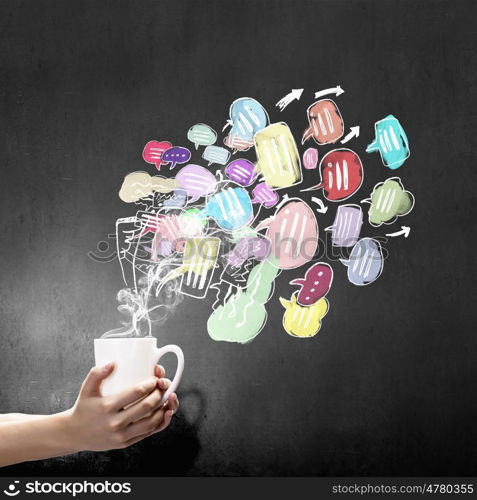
202, 135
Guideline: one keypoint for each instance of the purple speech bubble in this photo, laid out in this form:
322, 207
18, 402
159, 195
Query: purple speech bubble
265, 195
310, 158
257, 247
197, 181
176, 155
241, 171
346, 226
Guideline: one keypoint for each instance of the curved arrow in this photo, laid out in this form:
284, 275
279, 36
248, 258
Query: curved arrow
323, 208
354, 132
405, 230
333, 90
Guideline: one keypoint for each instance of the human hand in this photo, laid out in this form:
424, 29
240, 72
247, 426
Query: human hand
101, 423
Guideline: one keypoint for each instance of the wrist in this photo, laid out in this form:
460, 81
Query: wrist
67, 433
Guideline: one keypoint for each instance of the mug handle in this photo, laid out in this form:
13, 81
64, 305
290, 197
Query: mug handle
180, 368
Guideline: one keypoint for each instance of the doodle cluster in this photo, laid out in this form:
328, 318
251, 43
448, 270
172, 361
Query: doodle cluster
233, 230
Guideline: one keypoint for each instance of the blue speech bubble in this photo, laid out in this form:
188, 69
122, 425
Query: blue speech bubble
391, 142
178, 199
248, 117
216, 154
231, 208
365, 263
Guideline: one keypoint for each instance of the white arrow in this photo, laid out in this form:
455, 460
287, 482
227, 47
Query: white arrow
218, 174
354, 132
333, 90
405, 230
323, 208
228, 123
285, 101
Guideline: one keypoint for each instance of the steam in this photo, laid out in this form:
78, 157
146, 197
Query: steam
149, 304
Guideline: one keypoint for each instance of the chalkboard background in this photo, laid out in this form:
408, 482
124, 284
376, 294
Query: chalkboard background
388, 385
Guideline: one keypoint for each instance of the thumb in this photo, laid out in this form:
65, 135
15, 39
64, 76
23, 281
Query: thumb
92, 382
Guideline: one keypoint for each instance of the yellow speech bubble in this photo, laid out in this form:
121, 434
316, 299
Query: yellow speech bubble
200, 256
278, 158
301, 321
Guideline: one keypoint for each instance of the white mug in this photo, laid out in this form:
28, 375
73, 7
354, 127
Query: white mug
135, 359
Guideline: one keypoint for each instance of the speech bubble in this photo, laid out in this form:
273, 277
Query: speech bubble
231, 207
238, 144
365, 263
137, 185
389, 200
241, 171
251, 247
315, 285
326, 124
166, 232
341, 173
391, 142
247, 117
310, 158
176, 155
278, 158
202, 135
264, 195
293, 232
177, 200
198, 265
243, 315
196, 180
153, 152
170, 230
216, 154
301, 321
346, 226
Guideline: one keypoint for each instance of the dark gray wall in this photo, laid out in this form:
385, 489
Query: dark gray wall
386, 386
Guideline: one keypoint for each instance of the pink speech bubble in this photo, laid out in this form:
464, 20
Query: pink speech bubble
315, 285
153, 152
310, 158
293, 232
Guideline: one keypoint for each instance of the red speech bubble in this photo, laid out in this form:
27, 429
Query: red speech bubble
341, 174
326, 125
315, 285
153, 152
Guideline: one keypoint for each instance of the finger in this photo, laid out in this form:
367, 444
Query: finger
144, 426
136, 439
141, 409
131, 395
167, 420
92, 383
163, 425
164, 384
159, 371
173, 402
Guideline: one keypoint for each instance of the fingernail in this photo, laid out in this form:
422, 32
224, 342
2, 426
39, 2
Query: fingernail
108, 366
